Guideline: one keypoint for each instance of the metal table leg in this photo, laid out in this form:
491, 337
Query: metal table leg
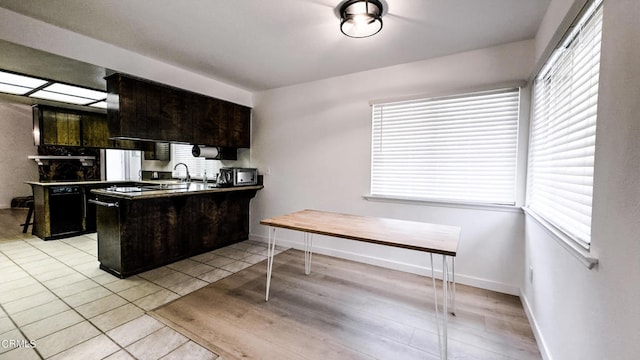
453, 293
447, 296
445, 310
271, 248
308, 243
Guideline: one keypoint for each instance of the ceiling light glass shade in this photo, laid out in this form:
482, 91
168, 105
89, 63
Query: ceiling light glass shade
361, 18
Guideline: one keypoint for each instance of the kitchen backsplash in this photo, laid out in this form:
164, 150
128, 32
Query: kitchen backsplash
69, 170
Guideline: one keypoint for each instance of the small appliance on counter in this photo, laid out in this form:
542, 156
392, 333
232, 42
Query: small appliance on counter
235, 176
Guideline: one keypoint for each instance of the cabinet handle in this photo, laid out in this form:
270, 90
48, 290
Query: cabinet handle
105, 204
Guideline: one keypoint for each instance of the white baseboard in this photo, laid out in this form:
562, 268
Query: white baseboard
395, 265
537, 333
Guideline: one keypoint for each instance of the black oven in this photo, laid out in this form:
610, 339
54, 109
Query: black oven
66, 209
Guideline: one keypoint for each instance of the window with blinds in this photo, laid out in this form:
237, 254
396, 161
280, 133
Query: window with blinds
197, 166
563, 130
453, 149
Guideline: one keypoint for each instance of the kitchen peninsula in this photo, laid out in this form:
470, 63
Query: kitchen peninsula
145, 226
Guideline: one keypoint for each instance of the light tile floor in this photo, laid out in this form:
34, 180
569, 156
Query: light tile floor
55, 303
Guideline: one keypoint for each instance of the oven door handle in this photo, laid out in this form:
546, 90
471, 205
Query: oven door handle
103, 203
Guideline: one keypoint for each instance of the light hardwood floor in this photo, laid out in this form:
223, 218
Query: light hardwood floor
345, 310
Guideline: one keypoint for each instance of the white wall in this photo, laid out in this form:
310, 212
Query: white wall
315, 140
16, 139
593, 314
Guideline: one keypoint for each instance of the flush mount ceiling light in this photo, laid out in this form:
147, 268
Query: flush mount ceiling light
361, 18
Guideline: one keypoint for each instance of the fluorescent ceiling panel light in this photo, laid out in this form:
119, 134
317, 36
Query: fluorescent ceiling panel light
14, 89
21, 80
49, 95
101, 105
76, 91
22, 85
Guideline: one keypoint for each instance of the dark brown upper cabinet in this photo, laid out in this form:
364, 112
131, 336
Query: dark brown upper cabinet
206, 128
52, 127
68, 127
139, 109
241, 126
126, 108
95, 132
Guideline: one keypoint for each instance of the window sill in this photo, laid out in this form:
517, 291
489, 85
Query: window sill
443, 203
580, 253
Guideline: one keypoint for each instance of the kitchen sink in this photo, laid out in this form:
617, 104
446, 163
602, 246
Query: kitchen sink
193, 186
126, 189
180, 186
168, 186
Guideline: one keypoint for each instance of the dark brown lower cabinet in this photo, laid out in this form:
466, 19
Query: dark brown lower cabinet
142, 234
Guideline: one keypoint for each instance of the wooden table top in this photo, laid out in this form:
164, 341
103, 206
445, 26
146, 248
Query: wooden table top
433, 238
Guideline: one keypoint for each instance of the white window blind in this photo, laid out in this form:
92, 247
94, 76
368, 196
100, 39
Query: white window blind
563, 130
456, 149
197, 166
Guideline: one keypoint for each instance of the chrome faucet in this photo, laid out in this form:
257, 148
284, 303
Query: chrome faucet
188, 178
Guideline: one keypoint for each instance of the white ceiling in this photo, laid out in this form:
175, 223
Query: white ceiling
260, 44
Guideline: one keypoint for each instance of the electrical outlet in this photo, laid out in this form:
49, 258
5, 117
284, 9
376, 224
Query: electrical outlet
531, 274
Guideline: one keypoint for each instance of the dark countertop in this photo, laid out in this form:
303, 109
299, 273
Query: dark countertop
100, 182
78, 182
173, 189
148, 188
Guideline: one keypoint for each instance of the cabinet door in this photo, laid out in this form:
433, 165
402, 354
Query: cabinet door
59, 127
241, 127
234, 125
174, 117
48, 128
95, 132
225, 119
73, 136
205, 120
149, 124
62, 128
161, 114
123, 107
